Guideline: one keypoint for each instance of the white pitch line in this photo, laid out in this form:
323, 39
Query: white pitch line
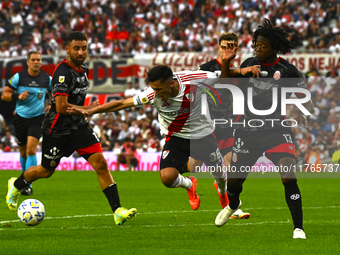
168, 212
168, 225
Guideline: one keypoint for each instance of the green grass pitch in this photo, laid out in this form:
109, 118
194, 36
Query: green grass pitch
79, 219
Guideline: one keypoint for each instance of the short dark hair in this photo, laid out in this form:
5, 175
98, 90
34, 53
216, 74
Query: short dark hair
160, 72
232, 36
31, 53
277, 37
76, 35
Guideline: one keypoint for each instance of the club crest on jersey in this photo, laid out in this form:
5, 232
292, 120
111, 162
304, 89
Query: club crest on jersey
277, 75
40, 95
61, 78
11, 80
190, 97
165, 154
144, 100
264, 73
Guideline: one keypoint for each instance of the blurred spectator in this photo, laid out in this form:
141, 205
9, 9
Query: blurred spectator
128, 155
96, 47
312, 159
132, 91
9, 142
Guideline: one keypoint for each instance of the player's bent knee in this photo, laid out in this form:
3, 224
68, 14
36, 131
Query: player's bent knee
168, 177
46, 173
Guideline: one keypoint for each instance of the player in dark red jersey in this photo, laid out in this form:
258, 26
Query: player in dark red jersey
268, 137
64, 133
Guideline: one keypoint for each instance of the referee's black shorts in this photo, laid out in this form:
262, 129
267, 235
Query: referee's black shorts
27, 127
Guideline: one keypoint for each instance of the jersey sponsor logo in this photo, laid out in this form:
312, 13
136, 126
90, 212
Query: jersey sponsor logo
33, 84
165, 154
239, 143
277, 75
81, 91
181, 111
61, 78
54, 154
295, 196
81, 79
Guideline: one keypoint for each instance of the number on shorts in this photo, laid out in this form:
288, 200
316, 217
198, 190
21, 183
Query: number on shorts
288, 138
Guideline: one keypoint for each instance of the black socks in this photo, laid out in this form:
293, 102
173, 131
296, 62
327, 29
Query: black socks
112, 196
21, 182
234, 196
293, 199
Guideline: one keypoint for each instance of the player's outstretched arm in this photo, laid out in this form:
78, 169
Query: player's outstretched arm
112, 106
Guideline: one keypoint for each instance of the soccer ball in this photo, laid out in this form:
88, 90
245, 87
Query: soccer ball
31, 212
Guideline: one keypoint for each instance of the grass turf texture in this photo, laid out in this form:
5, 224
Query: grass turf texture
79, 220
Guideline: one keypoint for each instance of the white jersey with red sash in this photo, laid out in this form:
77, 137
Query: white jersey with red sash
181, 115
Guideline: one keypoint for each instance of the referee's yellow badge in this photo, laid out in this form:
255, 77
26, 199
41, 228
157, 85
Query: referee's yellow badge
61, 78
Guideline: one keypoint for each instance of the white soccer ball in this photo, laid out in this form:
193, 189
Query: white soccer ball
31, 212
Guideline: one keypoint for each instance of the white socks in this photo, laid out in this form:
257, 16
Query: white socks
182, 182
221, 181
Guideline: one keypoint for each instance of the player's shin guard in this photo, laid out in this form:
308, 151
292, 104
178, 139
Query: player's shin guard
21, 182
112, 196
234, 196
293, 199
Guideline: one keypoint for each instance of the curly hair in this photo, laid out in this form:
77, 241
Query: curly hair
277, 37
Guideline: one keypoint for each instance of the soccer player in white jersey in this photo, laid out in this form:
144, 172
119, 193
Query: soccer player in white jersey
187, 131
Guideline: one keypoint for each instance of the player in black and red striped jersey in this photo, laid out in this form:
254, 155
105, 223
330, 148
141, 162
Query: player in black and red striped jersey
64, 133
223, 133
262, 136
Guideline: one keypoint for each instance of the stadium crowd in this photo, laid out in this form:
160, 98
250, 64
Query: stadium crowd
117, 28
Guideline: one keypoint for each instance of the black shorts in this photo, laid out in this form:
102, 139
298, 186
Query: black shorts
27, 127
84, 141
225, 139
250, 145
177, 150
